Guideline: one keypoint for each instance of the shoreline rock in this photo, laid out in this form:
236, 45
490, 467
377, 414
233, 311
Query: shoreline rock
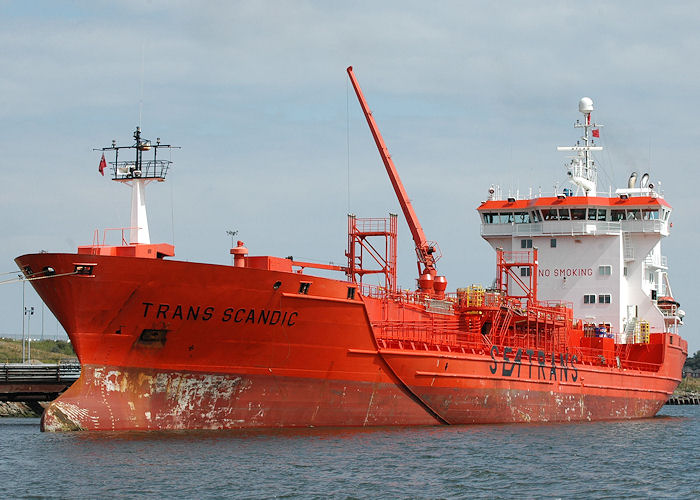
10, 409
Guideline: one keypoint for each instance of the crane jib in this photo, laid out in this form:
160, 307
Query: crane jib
424, 249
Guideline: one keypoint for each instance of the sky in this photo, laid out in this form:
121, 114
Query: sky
274, 145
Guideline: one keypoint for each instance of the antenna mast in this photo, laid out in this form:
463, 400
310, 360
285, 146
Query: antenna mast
138, 173
582, 169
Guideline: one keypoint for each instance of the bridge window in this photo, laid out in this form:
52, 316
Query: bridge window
525, 243
506, 217
578, 213
536, 217
498, 218
564, 214
596, 214
617, 215
550, 214
604, 298
648, 214
589, 298
634, 214
605, 270
522, 218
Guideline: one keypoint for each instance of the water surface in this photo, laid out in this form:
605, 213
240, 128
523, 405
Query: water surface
656, 457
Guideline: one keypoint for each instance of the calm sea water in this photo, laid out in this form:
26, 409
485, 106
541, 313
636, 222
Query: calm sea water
657, 457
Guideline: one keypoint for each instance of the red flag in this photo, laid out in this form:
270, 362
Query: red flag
103, 165
596, 132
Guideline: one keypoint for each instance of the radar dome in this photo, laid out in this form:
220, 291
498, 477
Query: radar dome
585, 105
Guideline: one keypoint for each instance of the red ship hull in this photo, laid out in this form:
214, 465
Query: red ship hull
176, 345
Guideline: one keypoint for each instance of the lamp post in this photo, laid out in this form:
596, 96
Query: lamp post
231, 234
30, 312
24, 312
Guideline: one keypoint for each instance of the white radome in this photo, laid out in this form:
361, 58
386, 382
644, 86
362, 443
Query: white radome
585, 105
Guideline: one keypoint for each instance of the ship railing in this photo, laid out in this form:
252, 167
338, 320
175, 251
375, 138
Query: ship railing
573, 228
381, 292
619, 357
660, 262
476, 297
149, 169
409, 297
431, 332
459, 333
551, 311
368, 225
555, 305
450, 335
533, 193
97, 242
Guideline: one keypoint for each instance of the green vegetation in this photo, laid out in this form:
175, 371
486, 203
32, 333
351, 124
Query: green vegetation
688, 384
693, 362
45, 351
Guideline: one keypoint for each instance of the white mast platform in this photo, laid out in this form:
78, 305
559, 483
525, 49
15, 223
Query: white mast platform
137, 173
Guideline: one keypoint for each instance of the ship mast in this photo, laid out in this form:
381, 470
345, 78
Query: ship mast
427, 252
582, 170
138, 173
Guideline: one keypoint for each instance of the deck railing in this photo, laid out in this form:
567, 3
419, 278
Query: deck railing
574, 228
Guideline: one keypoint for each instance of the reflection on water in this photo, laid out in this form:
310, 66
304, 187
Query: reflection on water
654, 457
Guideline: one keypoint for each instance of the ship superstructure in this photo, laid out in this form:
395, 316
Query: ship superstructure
600, 252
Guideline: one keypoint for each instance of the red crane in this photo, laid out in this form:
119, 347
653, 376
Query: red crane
427, 251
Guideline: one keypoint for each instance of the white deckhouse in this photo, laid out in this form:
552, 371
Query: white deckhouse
600, 252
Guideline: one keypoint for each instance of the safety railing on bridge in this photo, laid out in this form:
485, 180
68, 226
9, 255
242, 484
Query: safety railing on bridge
67, 372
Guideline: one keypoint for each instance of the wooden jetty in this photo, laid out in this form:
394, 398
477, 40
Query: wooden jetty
684, 399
